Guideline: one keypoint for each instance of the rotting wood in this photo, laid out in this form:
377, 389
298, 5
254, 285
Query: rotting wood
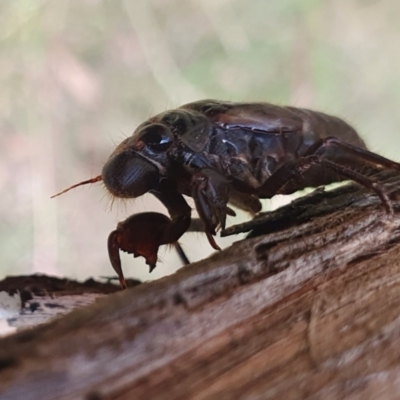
308, 311
29, 300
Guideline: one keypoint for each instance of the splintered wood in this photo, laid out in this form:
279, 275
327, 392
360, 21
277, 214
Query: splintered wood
308, 311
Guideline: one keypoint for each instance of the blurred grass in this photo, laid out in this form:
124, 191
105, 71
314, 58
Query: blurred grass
78, 76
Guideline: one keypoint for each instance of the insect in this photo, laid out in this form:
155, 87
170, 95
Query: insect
221, 154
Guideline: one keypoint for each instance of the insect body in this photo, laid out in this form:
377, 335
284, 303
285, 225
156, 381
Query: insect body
222, 153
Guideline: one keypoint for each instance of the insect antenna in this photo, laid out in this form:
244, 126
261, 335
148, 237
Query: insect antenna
93, 180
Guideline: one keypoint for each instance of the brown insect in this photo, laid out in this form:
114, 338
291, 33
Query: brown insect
222, 153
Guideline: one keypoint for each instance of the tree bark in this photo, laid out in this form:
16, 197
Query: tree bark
310, 310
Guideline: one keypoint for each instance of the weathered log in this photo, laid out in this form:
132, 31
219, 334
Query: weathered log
311, 310
30, 300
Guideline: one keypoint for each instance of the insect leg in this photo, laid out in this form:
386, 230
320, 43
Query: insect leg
297, 167
182, 255
306, 162
279, 179
321, 146
178, 209
141, 235
210, 192
359, 154
113, 253
246, 202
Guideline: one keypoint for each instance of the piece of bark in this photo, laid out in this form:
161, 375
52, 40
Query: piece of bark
27, 301
311, 310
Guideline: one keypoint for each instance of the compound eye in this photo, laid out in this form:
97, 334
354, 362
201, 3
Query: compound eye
156, 137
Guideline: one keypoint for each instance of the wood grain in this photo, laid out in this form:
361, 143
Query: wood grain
308, 311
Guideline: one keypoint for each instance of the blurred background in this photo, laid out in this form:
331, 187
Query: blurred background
77, 76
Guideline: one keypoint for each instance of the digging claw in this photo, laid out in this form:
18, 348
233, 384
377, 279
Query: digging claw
141, 235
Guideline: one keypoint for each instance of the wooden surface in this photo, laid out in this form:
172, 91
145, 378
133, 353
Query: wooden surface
31, 300
310, 311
